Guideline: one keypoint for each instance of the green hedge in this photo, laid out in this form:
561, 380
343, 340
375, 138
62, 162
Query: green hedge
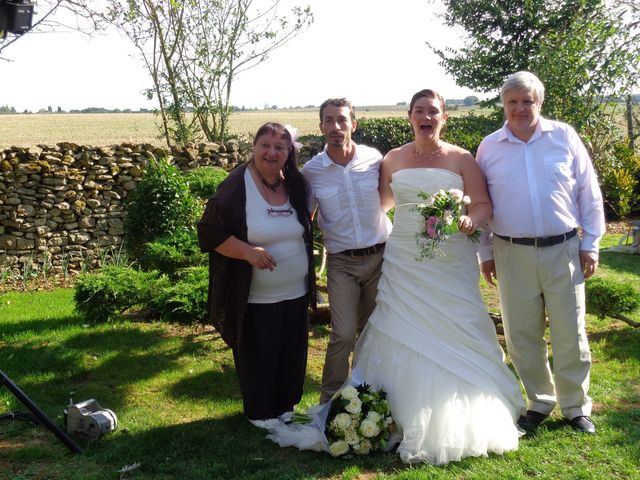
160, 205
103, 295
203, 181
388, 133
173, 252
605, 297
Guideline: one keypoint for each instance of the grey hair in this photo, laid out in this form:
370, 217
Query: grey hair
524, 81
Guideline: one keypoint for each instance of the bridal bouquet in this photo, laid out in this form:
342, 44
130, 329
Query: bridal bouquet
441, 212
359, 421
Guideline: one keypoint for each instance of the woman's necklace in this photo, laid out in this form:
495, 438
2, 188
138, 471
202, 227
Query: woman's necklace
271, 186
420, 156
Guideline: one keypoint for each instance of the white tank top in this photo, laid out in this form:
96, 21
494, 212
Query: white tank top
279, 233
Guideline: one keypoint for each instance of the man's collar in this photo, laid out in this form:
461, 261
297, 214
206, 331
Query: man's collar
543, 125
327, 161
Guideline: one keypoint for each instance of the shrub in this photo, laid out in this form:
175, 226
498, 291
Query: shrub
160, 205
388, 133
100, 296
609, 298
173, 252
383, 134
185, 301
469, 130
620, 176
204, 181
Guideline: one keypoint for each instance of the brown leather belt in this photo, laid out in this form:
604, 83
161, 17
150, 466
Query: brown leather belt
541, 241
362, 252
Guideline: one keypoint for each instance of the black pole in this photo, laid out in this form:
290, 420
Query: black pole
39, 414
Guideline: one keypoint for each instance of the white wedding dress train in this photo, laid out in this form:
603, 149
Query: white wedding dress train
431, 345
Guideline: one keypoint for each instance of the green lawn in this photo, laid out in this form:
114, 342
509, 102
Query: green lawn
177, 400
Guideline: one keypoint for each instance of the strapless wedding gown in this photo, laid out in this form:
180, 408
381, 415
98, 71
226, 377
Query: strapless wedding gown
431, 345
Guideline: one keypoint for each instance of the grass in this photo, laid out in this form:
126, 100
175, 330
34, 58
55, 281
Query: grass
29, 130
177, 400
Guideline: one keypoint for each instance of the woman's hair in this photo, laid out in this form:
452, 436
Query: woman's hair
293, 180
428, 93
338, 102
524, 81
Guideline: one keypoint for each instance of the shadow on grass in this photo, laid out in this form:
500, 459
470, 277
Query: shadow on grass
105, 364
226, 448
40, 325
618, 344
620, 262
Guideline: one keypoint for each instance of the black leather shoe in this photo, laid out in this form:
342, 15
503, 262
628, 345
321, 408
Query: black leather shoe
583, 424
531, 420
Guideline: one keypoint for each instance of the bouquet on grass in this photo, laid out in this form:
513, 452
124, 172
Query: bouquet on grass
359, 421
441, 212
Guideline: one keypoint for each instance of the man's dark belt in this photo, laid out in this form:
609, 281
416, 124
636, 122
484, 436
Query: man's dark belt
541, 241
362, 252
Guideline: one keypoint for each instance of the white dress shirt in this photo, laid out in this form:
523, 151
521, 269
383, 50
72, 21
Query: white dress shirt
546, 186
350, 215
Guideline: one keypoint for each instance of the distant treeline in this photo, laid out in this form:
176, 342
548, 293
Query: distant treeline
467, 101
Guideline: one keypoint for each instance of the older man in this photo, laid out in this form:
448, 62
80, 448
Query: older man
344, 181
543, 187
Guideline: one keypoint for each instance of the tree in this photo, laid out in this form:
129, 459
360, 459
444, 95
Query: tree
194, 51
586, 52
470, 101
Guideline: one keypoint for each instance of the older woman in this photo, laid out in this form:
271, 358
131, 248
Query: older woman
258, 232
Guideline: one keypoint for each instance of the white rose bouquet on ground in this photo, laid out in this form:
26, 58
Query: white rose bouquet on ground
441, 212
359, 421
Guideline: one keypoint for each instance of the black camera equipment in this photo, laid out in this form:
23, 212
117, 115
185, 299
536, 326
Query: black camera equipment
15, 16
36, 416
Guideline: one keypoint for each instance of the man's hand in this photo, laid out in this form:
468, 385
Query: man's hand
588, 263
488, 270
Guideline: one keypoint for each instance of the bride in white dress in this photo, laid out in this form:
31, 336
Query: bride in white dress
430, 343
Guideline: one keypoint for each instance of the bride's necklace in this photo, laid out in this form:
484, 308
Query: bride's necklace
420, 156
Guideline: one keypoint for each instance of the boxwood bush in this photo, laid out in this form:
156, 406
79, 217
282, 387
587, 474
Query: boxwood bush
606, 297
173, 252
160, 205
103, 295
204, 181
185, 300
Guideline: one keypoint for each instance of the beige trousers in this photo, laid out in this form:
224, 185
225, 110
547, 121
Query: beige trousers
352, 283
531, 281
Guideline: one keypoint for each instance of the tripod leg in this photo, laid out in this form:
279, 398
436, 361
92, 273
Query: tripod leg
39, 414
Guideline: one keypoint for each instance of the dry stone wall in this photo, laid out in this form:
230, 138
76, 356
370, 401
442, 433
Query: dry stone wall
62, 207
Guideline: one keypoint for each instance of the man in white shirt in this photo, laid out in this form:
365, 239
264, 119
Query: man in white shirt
344, 182
543, 187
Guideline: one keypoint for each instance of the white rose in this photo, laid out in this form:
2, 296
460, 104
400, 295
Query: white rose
351, 437
349, 393
369, 428
338, 448
342, 421
375, 416
466, 200
448, 217
456, 193
354, 405
363, 448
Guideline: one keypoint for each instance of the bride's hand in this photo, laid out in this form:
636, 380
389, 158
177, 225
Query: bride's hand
466, 225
